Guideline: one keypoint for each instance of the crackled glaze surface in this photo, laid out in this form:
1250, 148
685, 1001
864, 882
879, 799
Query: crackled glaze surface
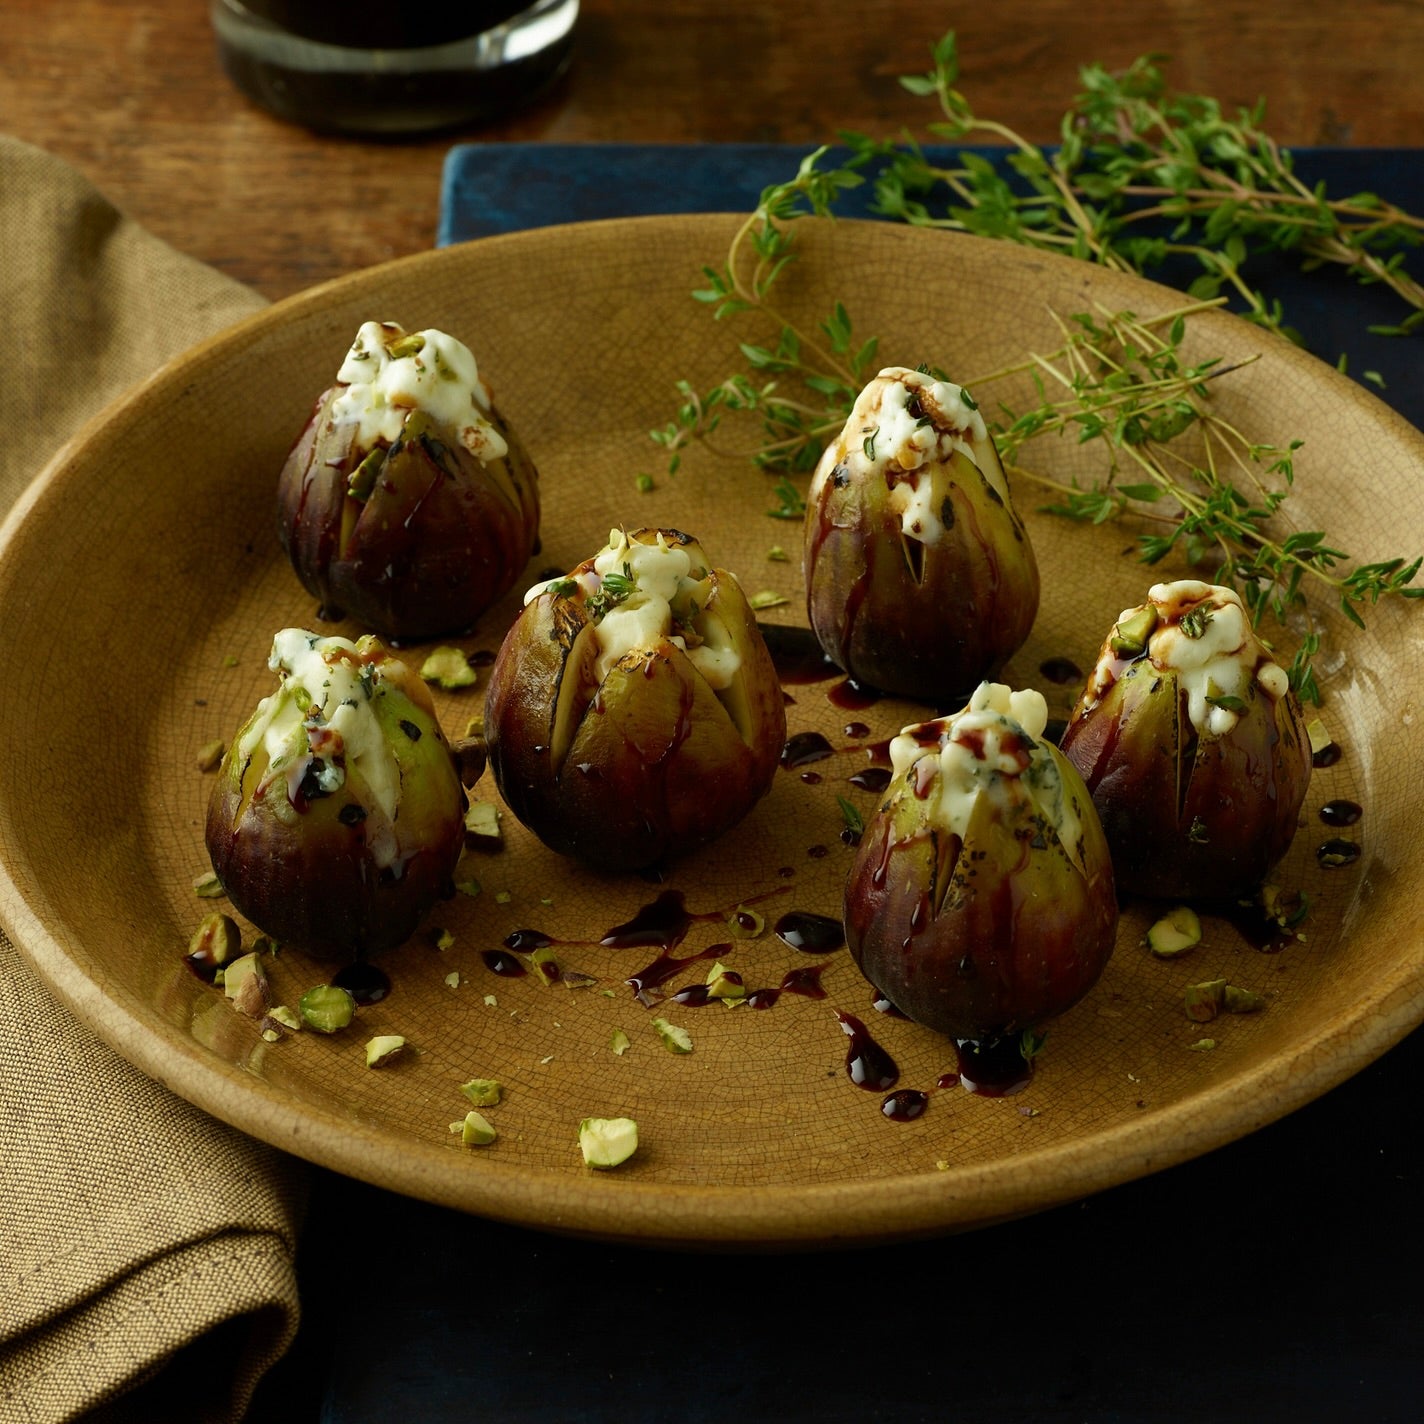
140, 586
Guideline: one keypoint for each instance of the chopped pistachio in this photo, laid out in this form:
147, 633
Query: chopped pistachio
483, 1092
745, 923
1129, 637
1202, 1045
724, 983
1286, 908
491, 1002
471, 757
438, 937
476, 1131
475, 727
502, 897
644, 484
607, 1141
1204, 1001
216, 940
620, 1043
1241, 1001
482, 830
448, 667
468, 885
207, 886
327, 1008
767, 598
245, 983
210, 755
452, 979
1175, 933
284, 1015
270, 1033
777, 555
577, 979
229, 661
675, 1039
545, 963
381, 1049
1319, 735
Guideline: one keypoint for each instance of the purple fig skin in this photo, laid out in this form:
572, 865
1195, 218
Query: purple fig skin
917, 618
645, 766
440, 537
984, 938
300, 869
1189, 815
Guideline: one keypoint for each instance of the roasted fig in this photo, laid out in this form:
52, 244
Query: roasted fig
981, 900
406, 502
338, 814
634, 713
1193, 745
920, 579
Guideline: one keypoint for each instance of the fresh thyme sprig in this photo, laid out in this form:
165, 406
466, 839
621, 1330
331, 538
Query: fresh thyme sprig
1130, 152
1142, 174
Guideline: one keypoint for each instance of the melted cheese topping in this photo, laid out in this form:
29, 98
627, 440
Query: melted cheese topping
663, 574
324, 710
435, 373
885, 439
1205, 637
991, 749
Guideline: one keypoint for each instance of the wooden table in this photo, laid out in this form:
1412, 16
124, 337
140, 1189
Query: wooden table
132, 94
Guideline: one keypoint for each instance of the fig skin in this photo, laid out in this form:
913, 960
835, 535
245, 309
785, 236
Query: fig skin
300, 863
924, 617
984, 936
1189, 814
650, 762
441, 535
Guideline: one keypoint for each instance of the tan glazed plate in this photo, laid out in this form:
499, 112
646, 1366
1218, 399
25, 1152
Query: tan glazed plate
140, 586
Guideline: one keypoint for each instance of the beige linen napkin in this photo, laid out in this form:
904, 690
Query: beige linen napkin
146, 1250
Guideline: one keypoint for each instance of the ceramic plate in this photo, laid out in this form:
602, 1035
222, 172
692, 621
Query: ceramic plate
140, 587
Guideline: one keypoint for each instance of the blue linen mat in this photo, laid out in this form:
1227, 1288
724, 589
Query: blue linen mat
497, 188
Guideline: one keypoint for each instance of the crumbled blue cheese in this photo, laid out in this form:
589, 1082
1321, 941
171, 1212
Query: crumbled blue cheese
993, 749
663, 576
433, 372
1212, 650
885, 439
324, 711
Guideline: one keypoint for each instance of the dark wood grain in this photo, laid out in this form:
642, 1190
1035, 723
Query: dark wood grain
132, 94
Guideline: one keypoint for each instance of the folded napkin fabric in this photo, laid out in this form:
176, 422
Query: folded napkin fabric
146, 1250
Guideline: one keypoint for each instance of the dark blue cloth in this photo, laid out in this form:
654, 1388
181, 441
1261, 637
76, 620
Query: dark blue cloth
494, 188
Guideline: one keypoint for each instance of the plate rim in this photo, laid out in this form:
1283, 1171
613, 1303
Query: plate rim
607, 1206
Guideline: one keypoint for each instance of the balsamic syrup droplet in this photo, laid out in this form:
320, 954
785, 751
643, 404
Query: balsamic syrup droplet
804, 980
667, 966
905, 1105
1328, 755
1333, 854
867, 1064
851, 696
1061, 670
364, 982
993, 1069
663, 923
804, 748
873, 778
810, 933
526, 941
1341, 812
500, 962
855, 730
